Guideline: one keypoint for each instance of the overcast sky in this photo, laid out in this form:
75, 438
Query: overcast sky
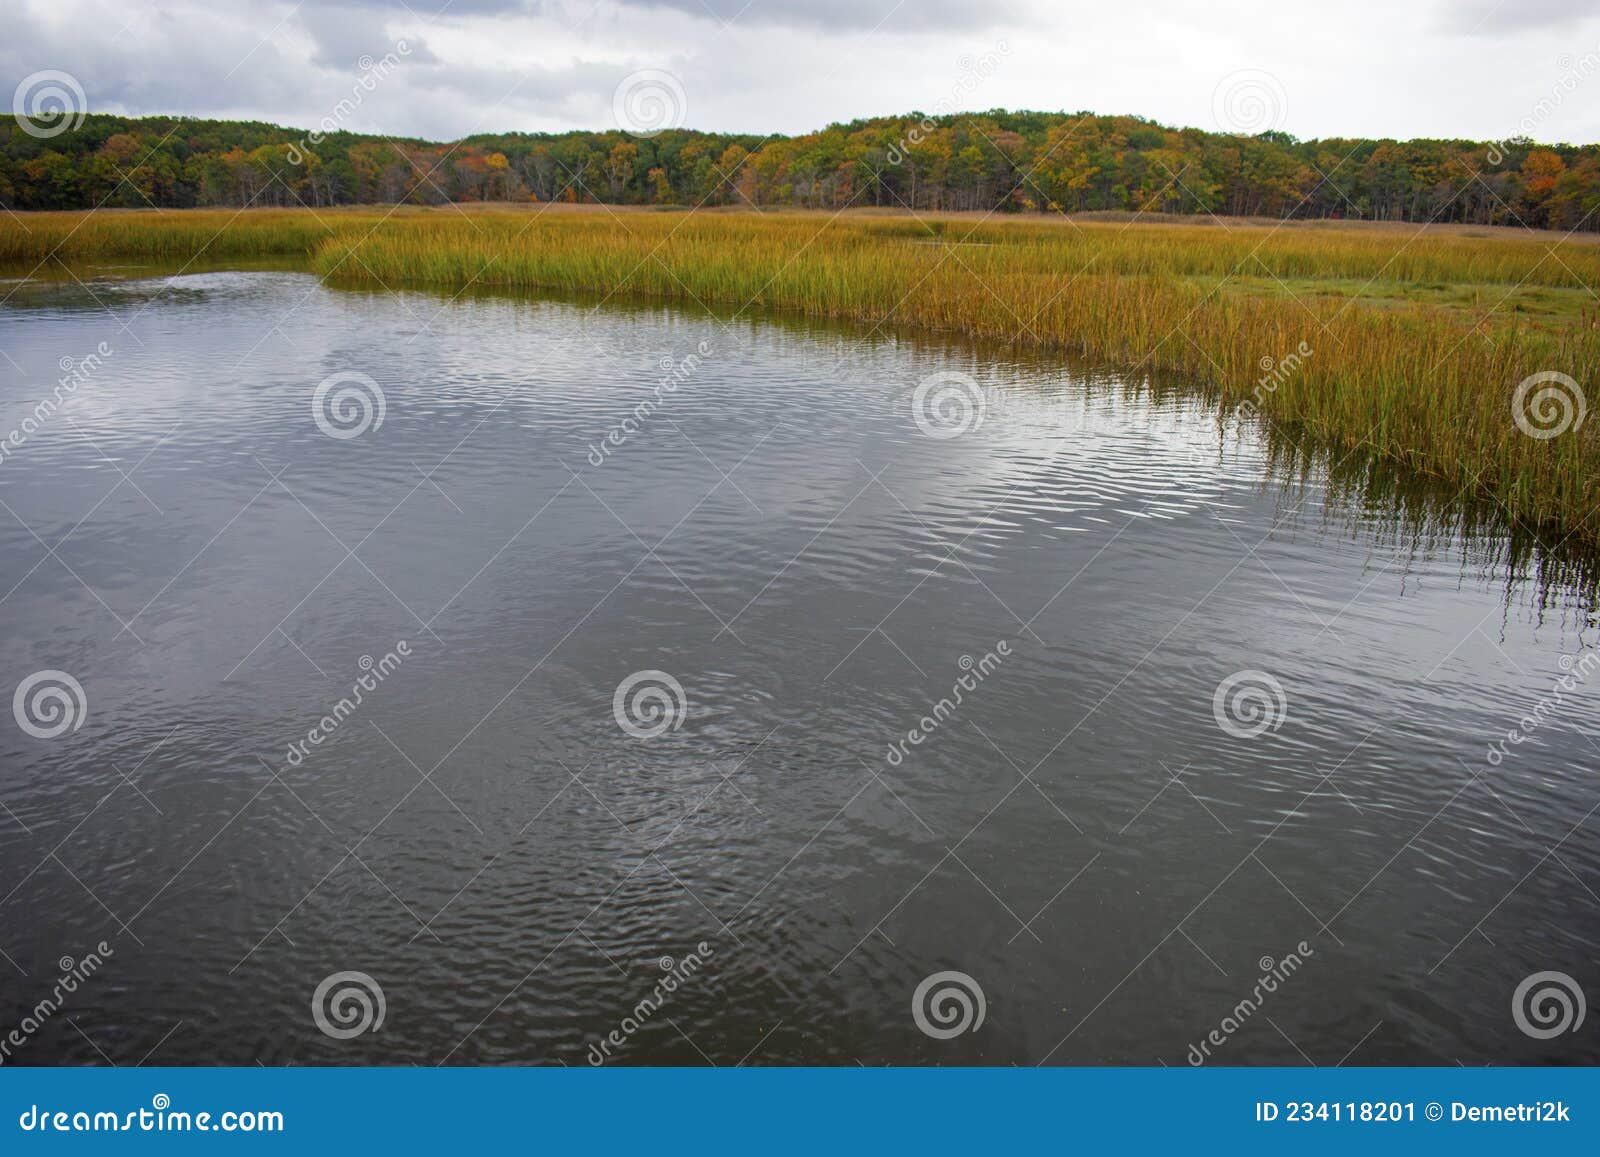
1401, 68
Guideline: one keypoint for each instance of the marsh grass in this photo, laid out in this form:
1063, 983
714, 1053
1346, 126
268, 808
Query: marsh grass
1417, 338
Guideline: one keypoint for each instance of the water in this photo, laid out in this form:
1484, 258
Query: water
512, 868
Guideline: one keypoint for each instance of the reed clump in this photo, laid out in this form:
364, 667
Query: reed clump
1419, 382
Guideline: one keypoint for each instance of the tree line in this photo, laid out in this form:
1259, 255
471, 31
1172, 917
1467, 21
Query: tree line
1008, 161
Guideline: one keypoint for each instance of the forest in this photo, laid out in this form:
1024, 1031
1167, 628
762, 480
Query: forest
1022, 162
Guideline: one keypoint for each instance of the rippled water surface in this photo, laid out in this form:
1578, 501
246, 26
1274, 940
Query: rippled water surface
1110, 853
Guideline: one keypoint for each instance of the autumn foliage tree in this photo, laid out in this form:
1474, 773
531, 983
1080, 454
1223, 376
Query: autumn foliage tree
997, 161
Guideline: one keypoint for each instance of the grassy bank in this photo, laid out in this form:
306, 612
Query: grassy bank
1417, 340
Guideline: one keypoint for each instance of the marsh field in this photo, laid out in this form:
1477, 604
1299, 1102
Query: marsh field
1400, 342
566, 634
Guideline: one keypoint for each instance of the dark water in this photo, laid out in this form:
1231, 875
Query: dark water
509, 865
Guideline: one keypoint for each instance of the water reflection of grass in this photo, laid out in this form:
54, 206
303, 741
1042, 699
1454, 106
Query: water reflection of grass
1417, 339
1359, 495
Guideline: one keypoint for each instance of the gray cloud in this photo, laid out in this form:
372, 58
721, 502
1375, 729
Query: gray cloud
429, 11
1488, 17
827, 15
854, 15
344, 35
159, 71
